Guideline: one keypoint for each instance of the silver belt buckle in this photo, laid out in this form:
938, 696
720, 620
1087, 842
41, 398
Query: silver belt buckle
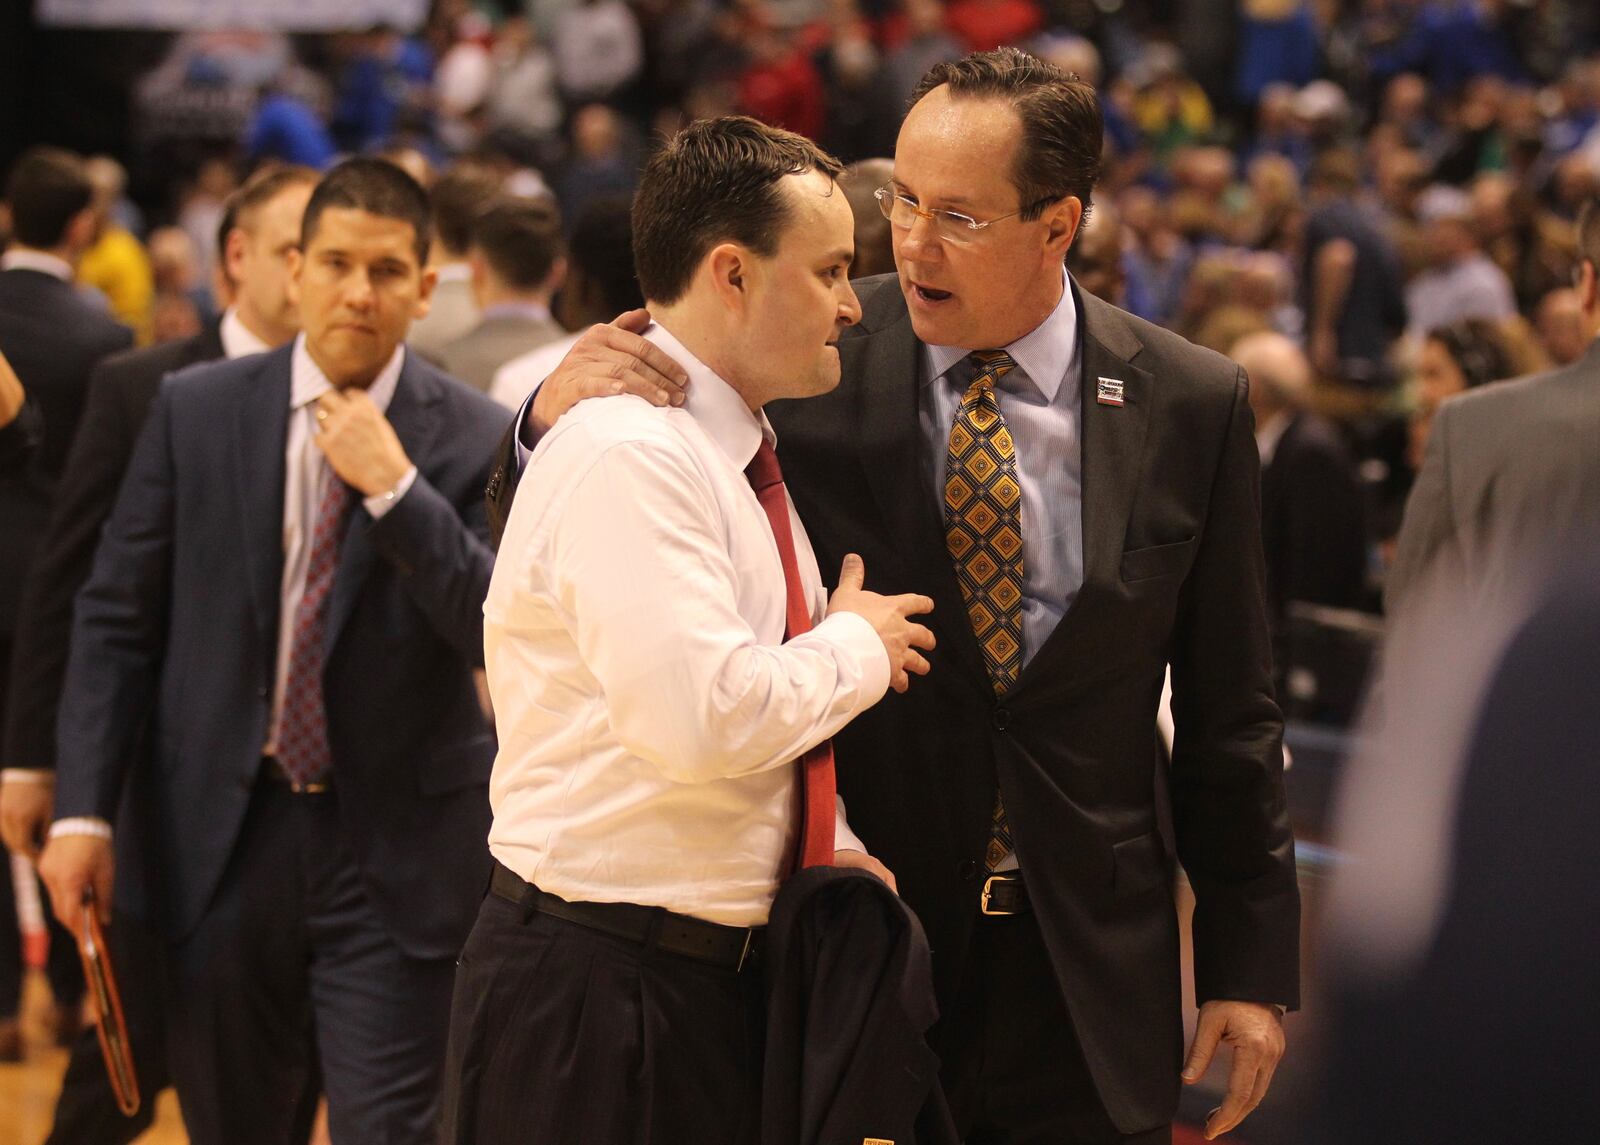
988, 891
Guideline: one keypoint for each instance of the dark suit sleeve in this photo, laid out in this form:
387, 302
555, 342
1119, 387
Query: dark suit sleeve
84, 499
119, 625
1229, 812
443, 554
503, 478
1327, 541
18, 437
1427, 531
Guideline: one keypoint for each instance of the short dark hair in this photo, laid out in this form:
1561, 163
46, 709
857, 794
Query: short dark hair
48, 187
520, 239
600, 247
1478, 348
377, 187
1063, 129
256, 192
459, 196
715, 181
1589, 233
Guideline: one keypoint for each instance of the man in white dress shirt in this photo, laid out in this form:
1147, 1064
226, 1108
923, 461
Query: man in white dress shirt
649, 708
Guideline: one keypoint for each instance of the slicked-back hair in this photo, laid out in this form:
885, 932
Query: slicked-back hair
458, 197
377, 187
239, 209
715, 181
46, 189
1589, 233
1063, 129
520, 239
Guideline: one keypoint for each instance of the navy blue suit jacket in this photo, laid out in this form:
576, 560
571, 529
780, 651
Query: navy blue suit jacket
178, 624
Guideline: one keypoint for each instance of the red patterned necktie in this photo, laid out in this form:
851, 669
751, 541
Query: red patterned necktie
816, 766
303, 750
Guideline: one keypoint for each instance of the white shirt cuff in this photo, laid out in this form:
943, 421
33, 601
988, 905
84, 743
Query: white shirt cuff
845, 839
27, 775
856, 635
84, 825
380, 503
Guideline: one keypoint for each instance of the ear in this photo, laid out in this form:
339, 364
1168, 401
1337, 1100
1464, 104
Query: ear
731, 268
1062, 219
1589, 289
430, 279
557, 275
81, 231
233, 251
297, 267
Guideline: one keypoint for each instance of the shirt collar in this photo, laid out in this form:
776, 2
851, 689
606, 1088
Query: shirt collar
307, 382
238, 341
455, 272
41, 261
714, 404
1043, 355
534, 311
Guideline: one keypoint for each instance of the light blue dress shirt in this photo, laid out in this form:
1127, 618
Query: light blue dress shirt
1040, 402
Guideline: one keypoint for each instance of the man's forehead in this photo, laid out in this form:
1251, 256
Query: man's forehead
348, 226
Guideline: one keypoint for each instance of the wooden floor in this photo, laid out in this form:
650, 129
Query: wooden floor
28, 1091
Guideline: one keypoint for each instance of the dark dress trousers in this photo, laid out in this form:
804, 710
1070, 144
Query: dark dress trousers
1172, 572
120, 392
178, 626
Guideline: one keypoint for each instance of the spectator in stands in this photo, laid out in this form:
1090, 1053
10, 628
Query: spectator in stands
524, 105
600, 285
874, 251
457, 197
1455, 358
1350, 279
598, 49
517, 264
604, 161
115, 263
1462, 281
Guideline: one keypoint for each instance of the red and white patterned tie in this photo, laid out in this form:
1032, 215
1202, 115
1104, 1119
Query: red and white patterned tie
303, 748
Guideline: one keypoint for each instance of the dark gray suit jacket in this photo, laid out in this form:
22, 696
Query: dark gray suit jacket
1511, 479
475, 356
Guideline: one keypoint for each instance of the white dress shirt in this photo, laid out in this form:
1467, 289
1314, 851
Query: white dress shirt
42, 261
649, 709
238, 340
306, 473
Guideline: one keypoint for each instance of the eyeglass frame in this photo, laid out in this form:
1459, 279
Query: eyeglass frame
887, 196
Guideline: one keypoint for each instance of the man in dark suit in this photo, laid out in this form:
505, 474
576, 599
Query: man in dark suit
19, 422
260, 227
1510, 478
289, 590
52, 338
1014, 797
1313, 519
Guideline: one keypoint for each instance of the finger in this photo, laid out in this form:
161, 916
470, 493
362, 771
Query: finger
915, 663
649, 353
1241, 1084
914, 603
102, 893
853, 572
899, 681
633, 321
1208, 1031
920, 636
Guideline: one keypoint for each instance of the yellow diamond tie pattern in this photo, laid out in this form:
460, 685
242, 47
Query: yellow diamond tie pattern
983, 531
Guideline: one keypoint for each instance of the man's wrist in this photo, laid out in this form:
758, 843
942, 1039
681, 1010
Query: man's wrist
380, 503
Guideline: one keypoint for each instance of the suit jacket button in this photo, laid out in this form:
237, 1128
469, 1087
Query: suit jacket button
967, 869
1001, 719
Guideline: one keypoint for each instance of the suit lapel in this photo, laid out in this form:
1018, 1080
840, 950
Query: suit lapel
261, 428
891, 446
1112, 453
410, 413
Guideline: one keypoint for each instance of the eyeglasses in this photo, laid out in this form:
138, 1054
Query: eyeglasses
949, 226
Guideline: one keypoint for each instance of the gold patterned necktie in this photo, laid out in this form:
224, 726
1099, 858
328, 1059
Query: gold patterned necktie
983, 531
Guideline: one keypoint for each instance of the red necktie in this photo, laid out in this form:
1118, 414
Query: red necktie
303, 725
816, 766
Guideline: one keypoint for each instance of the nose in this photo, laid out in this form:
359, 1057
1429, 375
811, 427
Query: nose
918, 241
359, 294
849, 307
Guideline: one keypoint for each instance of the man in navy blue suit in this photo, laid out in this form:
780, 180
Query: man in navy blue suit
290, 591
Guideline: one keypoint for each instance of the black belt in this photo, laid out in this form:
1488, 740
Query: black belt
728, 947
276, 773
1004, 894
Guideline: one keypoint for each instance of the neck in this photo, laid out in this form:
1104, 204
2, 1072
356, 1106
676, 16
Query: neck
344, 380
1032, 314
270, 333
499, 294
708, 341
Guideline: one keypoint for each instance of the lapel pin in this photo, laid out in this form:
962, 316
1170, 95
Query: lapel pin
1109, 392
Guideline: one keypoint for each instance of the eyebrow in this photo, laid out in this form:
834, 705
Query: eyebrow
951, 201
